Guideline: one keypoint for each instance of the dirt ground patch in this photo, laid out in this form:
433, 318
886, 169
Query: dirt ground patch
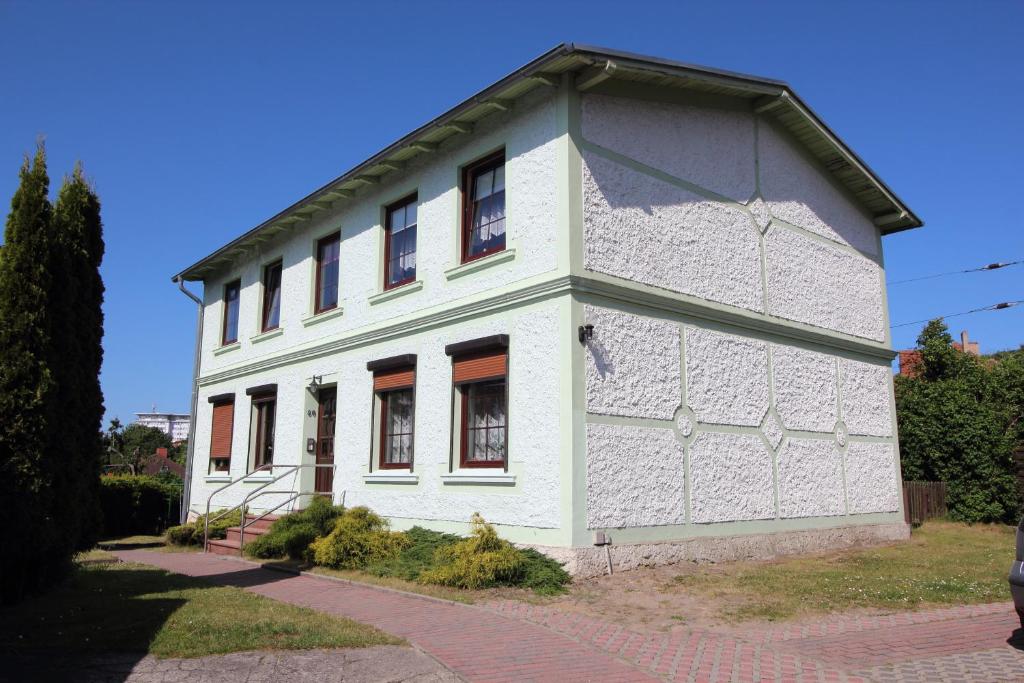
943, 564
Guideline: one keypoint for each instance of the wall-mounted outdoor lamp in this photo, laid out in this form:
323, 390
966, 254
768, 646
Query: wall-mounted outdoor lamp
586, 333
314, 383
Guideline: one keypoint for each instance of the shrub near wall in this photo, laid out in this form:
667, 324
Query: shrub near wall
137, 504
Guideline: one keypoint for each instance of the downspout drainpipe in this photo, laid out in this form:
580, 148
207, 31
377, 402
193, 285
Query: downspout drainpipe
185, 494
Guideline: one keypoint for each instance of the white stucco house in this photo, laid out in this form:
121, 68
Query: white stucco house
608, 295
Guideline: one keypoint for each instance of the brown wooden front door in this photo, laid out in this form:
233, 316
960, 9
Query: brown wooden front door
326, 418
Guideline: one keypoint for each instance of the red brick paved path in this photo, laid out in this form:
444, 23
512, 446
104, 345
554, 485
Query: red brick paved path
476, 643
514, 641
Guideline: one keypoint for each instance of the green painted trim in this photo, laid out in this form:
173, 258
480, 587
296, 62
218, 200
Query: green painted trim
677, 532
574, 372
389, 294
228, 348
336, 312
607, 288
504, 256
513, 534
264, 336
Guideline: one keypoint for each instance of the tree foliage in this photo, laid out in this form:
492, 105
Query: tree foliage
129, 446
50, 331
959, 422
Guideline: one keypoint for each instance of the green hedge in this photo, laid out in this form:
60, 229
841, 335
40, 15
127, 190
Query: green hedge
138, 504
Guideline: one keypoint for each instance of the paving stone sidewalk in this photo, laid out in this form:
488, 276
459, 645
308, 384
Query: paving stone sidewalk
355, 665
515, 641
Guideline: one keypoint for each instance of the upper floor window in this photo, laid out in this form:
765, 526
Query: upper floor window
327, 250
400, 243
229, 331
483, 216
271, 297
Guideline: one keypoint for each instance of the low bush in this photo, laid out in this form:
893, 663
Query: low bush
138, 504
416, 556
543, 574
192, 533
359, 537
480, 561
291, 535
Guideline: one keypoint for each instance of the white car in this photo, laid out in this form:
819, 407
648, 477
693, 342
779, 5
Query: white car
1017, 575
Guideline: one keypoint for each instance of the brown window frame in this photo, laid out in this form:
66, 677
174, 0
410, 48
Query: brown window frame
383, 398
268, 269
259, 443
404, 201
221, 463
237, 285
318, 306
464, 428
469, 175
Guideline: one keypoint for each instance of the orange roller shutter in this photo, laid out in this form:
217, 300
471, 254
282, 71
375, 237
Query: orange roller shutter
223, 421
488, 365
399, 378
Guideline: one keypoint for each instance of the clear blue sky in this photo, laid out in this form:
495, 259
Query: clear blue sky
197, 121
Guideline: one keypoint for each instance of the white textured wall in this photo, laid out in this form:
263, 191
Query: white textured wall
732, 478
632, 365
811, 282
731, 176
528, 135
811, 478
797, 192
649, 231
726, 377
863, 386
758, 417
710, 147
635, 477
534, 429
805, 388
872, 484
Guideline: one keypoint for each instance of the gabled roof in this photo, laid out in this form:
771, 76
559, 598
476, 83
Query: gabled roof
592, 65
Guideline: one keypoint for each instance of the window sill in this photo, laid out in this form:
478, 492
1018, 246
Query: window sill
217, 478
264, 336
504, 256
389, 294
385, 477
322, 316
260, 478
487, 477
227, 348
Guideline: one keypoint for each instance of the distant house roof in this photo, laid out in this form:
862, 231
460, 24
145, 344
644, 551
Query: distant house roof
592, 65
159, 462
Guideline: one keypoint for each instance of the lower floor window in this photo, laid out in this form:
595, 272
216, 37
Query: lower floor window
264, 409
396, 421
483, 424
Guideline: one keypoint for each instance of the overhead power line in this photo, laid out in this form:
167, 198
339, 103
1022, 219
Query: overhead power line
991, 266
993, 307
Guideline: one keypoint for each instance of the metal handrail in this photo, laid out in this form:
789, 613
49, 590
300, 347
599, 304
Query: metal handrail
209, 499
289, 469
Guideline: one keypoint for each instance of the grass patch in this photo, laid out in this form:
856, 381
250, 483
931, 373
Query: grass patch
942, 564
134, 608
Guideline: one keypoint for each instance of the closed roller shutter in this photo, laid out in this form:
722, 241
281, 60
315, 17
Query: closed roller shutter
480, 366
223, 422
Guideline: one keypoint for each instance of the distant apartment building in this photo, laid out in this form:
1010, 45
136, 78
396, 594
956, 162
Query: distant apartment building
174, 425
910, 359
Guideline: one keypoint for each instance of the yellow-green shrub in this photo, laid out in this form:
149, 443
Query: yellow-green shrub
358, 538
479, 561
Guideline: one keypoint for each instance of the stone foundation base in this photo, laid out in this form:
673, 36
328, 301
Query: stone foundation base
592, 561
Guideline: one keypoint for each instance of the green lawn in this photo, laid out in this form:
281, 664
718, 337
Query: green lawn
114, 607
942, 564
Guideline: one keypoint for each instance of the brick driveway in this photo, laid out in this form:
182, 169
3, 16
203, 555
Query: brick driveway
511, 640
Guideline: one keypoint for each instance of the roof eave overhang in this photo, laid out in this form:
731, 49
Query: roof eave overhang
592, 66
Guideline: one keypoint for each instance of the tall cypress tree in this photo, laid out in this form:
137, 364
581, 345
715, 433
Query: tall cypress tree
27, 556
78, 293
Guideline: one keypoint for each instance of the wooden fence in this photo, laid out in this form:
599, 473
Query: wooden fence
924, 500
